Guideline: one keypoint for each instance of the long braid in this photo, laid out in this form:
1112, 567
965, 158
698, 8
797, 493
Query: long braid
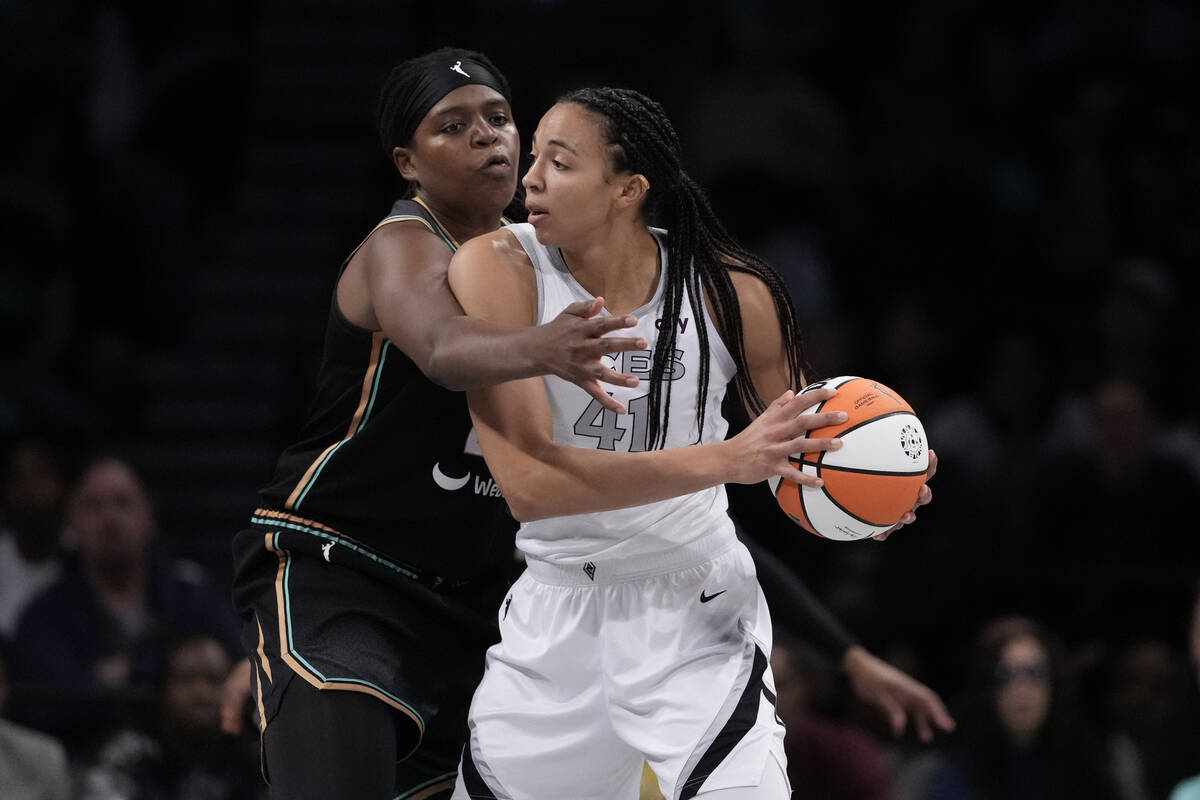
700, 251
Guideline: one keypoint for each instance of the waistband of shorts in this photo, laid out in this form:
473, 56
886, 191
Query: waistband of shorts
604, 571
316, 538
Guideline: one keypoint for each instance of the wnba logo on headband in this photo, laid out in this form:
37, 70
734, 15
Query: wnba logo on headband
434, 83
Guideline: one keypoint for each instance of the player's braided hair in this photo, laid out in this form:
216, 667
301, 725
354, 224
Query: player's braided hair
700, 251
403, 81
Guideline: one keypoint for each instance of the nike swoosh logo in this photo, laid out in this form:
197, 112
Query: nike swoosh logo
446, 482
704, 598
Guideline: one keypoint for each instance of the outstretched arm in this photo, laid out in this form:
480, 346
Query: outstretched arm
904, 701
790, 598
396, 282
493, 279
570, 347
541, 478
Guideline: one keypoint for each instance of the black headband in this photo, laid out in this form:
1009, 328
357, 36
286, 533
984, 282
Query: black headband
436, 83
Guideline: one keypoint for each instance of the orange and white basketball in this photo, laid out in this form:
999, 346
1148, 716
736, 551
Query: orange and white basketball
876, 475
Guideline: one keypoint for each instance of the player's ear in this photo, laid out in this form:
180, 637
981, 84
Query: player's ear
402, 158
632, 189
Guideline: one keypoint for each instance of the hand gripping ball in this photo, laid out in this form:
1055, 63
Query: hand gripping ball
876, 475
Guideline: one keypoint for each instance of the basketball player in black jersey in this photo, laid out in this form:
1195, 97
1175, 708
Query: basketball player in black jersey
371, 576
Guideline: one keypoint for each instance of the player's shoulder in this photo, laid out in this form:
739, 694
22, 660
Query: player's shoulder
752, 291
502, 240
399, 248
402, 230
492, 277
498, 248
759, 311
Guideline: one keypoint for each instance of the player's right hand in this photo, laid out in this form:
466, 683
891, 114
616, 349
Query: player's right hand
575, 346
903, 700
924, 497
763, 447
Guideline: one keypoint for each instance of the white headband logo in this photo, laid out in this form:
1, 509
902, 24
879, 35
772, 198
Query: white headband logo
458, 68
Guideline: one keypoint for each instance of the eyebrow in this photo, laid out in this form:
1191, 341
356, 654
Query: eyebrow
460, 109
555, 143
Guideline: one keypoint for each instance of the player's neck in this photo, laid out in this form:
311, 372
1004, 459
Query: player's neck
622, 267
460, 224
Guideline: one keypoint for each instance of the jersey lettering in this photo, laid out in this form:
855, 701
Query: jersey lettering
639, 409
641, 362
598, 422
487, 488
602, 424
682, 322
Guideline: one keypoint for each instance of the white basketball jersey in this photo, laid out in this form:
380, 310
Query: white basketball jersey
580, 421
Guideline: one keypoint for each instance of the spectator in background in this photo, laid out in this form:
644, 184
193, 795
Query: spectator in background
977, 541
1109, 520
1190, 789
33, 766
1152, 714
827, 756
181, 754
1020, 738
31, 524
93, 640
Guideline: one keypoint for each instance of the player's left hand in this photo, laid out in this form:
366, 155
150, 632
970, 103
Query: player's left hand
578, 344
905, 701
923, 498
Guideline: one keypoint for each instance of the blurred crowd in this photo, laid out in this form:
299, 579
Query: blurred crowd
113, 653
993, 209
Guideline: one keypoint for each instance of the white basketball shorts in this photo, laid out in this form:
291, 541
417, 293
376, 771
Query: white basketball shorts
603, 665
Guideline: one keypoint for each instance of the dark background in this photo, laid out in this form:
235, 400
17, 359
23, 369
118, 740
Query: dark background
993, 208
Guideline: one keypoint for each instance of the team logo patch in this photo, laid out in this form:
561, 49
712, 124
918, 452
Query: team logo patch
448, 482
912, 442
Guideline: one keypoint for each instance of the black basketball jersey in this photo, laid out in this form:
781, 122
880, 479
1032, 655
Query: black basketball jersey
389, 459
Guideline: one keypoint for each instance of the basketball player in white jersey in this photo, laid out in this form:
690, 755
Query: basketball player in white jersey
641, 632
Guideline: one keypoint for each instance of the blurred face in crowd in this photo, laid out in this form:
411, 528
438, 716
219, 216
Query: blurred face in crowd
1148, 676
1023, 688
1124, 427
196, 671
33, 489
110, 514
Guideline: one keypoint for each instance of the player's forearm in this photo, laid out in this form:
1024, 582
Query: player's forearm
559, 480
468, 353
792, 601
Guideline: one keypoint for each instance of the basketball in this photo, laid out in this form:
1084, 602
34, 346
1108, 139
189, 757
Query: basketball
876, 475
